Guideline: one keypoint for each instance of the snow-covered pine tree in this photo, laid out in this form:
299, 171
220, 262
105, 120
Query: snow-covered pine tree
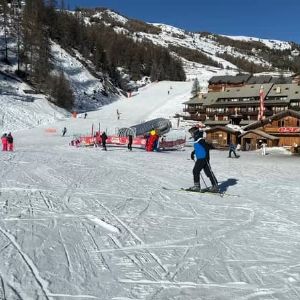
196, 88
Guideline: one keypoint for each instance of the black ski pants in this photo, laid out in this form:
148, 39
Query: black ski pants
232, 151
203, 164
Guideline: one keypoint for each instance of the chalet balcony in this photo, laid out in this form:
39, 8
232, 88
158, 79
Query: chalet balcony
195, 117
296, 108
190, 110
193, 110
268, 113
270, 130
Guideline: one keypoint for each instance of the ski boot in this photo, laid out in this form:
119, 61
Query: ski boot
214, 189
195, 188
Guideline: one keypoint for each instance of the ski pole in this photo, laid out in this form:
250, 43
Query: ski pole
203, 180
214, 177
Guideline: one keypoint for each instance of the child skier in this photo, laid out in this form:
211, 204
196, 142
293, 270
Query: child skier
4, 142
10, 142
201, 151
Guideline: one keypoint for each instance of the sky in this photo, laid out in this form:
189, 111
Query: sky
272, 19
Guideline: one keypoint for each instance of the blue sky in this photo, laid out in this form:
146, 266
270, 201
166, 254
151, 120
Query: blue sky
273, 19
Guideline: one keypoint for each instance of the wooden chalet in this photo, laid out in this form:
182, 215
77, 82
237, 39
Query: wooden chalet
252, 139
219, 83
281, 129
220, 136
240, 105
194, 108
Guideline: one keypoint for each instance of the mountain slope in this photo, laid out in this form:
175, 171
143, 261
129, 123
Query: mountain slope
257, 54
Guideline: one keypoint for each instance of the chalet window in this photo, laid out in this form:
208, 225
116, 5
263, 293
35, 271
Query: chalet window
298, 123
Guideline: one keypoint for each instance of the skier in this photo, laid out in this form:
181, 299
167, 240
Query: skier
103, 139
151, 142
85, 115
118, 114
201, 151
232, 149
64, 131
129, 146
4, 142
10, 142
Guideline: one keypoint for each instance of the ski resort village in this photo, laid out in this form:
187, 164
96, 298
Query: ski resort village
142, 161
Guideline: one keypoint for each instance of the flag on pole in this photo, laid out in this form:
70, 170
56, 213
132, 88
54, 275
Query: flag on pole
261, 103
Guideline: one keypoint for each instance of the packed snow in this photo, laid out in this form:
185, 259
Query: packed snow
83, 223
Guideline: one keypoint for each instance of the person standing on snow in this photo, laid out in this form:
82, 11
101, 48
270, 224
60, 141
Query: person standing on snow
201, 151
103, 139
64, 131
130, 138
4, 142
10, 142
232, 149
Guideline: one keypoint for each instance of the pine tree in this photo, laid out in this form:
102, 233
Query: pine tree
4, 24
61, 91
196, 87
35, 42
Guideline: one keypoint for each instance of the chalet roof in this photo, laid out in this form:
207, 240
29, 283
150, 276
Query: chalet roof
215, 122
226, 79
275, 117
260, 133
221, 128
259, 79
247, 91
289, 90
281, 80
194, 100
245, 122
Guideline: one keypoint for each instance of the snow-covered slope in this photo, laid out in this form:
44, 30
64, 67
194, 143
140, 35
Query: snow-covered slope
87, 89
82, 223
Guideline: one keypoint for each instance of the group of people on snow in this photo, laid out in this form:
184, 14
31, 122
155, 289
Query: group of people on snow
7, 142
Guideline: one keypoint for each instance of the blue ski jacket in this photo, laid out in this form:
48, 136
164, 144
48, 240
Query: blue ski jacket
201, 150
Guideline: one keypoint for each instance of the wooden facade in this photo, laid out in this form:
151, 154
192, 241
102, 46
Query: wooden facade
240, 105
253, 139
220, 136
220, 83
282, 129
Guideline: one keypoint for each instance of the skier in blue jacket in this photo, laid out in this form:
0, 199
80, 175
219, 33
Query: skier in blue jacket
201, 152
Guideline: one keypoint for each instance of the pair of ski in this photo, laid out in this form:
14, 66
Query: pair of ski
203, 191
